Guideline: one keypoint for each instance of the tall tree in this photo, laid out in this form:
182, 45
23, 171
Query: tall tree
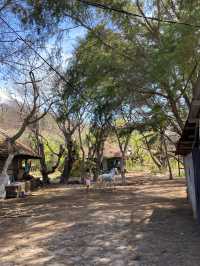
41, 145
29, 119
68, 113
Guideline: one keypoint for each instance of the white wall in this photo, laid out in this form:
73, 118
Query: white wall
189, 172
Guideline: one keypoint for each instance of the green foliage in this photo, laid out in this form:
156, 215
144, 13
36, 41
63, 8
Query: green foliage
125, 63
54, 144
76, 170
140, 158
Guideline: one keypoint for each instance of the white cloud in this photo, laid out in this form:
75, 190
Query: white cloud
4, 96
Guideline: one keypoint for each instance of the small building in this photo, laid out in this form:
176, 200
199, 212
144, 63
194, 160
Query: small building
112, 156
23, 153
188, 148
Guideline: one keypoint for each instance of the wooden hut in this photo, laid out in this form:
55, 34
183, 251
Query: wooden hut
112, 156
188, 147
23, 153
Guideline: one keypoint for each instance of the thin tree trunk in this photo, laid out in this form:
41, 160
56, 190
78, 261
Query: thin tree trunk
41, 152
168, 162
4, 178
99, 147
68, 162
99, 161
82, 170
55, 166
43, 164
151, 154
123, 149
123, 175
7, 164
175, 112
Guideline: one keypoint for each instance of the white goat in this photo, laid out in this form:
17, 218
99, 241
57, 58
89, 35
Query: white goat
108, 179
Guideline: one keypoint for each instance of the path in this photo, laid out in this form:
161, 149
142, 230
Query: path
147, 222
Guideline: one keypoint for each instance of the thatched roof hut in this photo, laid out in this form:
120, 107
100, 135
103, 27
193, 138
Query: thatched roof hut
23, 152
112, 155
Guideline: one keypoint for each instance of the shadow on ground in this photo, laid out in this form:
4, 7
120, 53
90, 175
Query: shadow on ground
148, 222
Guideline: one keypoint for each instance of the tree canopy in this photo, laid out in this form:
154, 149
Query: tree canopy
141, 56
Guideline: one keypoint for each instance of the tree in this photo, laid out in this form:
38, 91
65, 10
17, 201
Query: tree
27, 121
124, 123
152, 58
155, 139
40, 141
123, 135
100, 127
68, 113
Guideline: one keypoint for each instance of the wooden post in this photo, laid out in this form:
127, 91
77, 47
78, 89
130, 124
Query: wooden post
179, 168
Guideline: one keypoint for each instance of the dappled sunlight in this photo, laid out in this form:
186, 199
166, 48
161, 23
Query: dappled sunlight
58, 226
98, 204
30, 244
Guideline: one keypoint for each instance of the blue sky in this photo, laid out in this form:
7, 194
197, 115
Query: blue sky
73, 37
69, 43
71, 40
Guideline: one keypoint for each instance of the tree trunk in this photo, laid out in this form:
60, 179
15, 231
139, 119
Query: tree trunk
4, 178
175, 112
122, 166
68, 162
82, 167
168, 162
99, 155
45, 177
98, 164
43, 165
151, 154
123, 149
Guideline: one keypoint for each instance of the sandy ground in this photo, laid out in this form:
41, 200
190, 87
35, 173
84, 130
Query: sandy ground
147, 222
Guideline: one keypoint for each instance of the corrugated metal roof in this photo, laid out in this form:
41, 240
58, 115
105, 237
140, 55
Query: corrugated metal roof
187, 139
21, 149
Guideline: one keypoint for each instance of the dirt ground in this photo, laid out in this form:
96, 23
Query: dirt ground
147, 222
